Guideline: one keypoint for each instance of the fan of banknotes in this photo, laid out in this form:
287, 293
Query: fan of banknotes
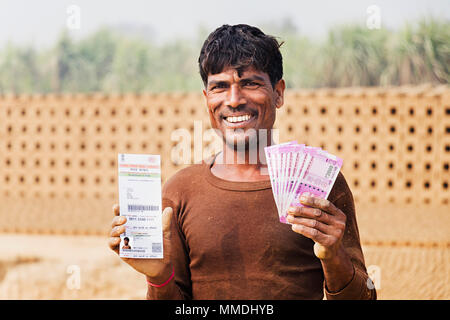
295, 169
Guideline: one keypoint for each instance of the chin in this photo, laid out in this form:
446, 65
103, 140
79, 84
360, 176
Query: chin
243, 140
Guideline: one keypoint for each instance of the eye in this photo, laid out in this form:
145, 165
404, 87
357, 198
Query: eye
218, 86
251, 84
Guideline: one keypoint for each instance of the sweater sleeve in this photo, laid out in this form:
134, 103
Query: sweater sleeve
360, 287
179, 258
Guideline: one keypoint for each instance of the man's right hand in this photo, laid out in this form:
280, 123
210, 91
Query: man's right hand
157, 270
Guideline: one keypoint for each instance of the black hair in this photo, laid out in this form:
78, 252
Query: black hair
126, 238
241, 46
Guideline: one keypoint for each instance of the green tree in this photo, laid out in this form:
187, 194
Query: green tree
352, 56
98, 52
130, 67
419, 53
113, 61
19, 70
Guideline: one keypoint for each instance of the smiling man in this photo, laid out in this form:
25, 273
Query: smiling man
242, 105
222, 236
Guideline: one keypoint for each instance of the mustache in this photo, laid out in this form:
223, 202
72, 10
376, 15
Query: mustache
229, 112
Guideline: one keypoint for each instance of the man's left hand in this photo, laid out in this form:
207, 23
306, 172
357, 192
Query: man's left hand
320, 221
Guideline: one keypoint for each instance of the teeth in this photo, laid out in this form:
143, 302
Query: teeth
238, 119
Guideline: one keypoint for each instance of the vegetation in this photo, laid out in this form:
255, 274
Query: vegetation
351, 55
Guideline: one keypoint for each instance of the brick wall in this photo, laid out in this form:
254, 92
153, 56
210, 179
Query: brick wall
58, 153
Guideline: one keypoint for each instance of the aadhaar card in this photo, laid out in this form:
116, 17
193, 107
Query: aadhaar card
140, 202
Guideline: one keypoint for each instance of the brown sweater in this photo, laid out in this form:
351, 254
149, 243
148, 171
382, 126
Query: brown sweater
227, 242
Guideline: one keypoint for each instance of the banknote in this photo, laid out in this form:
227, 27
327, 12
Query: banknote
295, 169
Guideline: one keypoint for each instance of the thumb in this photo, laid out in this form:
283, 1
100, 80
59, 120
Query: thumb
166, 220
321, 252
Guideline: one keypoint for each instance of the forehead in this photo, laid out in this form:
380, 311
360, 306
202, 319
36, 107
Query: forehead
230, 73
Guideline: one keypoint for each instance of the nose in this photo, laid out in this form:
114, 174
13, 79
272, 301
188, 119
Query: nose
235, 98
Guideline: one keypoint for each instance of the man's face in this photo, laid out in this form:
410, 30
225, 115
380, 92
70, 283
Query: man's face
242, 101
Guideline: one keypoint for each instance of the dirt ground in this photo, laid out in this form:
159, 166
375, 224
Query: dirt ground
47, 267
83, 267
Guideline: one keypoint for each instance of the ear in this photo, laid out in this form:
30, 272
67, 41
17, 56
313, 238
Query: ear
280, 86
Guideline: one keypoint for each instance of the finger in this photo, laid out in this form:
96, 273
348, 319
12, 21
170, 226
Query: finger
113, 243
116, 209
337, 220
334, 228
319, 203
322, 252
313, 234
311, 213
118, 221
312, 223
117, 231
166, 220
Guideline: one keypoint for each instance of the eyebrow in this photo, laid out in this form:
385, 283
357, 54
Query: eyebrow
250, 78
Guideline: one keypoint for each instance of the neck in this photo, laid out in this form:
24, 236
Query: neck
250, 155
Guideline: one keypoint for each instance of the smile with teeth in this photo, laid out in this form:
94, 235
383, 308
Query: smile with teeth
238, 119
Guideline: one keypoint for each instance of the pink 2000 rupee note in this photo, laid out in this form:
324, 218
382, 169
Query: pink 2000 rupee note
274, 166
319, 177
295, 169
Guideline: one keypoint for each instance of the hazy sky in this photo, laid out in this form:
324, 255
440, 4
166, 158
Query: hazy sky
40, 22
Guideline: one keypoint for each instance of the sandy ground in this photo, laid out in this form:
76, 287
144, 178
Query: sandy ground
47, 267
83, 267
407, 251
